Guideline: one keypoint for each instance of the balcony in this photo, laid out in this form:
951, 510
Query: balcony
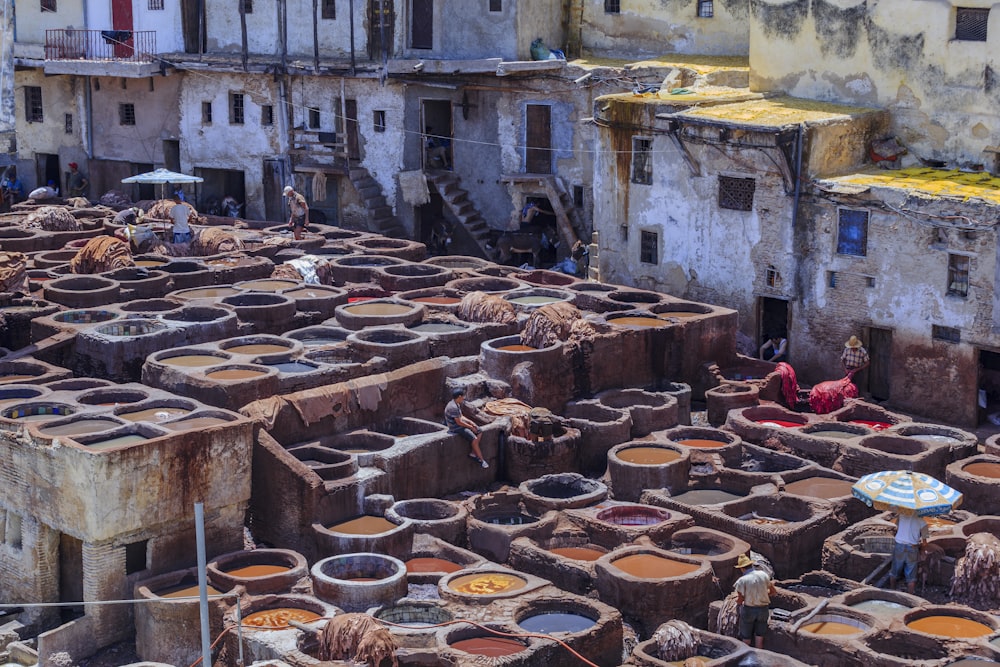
127, 53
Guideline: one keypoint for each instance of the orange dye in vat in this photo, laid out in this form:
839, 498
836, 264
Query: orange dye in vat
193, 360
832, 628
578, 553
235, 374
6, 379
648, 456
702, 443
431, 565
268, 285
184, 591
493, 647
154, 414
991, 470
269, 619
258, 349
648, 322
650, 566
487, 584
197, 422
439, 300
364, 525
378, 309
516, 348
251, 571
950, 626
149, 262
820, 487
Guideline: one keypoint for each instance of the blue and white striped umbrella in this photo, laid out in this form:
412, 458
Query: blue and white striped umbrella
906, 492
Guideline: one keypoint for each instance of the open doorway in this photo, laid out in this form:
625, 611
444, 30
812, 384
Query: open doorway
70, 576
773, 321
989, 384
47, 169
880, 352
219, 183
436, 127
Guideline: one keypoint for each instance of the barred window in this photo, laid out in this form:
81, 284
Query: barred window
236, 108
958, 274
329, 9
379, 120
649, 247
831, 279
771, 277
126, 113
68, 124
314, 118
496, 5
970, 24
155, 5
48, 5
247, 6
642, 160
706, 9
736, 193
33, 112
947, 334
267, 115
852, 232
612, 6
206, 112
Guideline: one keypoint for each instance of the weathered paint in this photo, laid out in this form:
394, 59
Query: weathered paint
60, 95
156, 117
6, 70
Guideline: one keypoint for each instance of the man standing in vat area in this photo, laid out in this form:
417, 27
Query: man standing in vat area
299, 211
911, 533
753, 589
458, 423
855, 357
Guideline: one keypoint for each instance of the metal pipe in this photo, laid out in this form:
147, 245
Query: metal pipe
199, 532
239, 627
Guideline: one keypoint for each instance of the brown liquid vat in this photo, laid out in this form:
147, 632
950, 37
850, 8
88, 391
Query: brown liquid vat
261, 571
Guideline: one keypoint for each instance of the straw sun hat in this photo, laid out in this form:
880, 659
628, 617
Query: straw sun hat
853, 342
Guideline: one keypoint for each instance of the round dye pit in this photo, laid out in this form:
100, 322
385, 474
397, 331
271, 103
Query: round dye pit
79, 427
872, 424
487, 583
206, 292
185, 589
702, 443
706, 497
633, 515
233, 374
278, 619
438, 328
359, 581
266, 285
363, 525
820, 487
831, 628
437, 300
648, 456
880, 607
638, 321
292, 367
551, 622
379, 309
260, 348
193, 360
778, 423
651, 566
983, 469
588, 554
427, 564
160, 413
950, 626
414, 614
493, 647
255, 571
509, 519
115, 442
834, 434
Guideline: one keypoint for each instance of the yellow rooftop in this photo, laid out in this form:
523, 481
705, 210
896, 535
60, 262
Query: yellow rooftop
924, 180
775, 111
699, 63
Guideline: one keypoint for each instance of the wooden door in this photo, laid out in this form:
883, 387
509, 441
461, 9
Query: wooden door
538, 141
351, 130
880, 351
274, 182
422, 26
191, 25
381, 20
121, 20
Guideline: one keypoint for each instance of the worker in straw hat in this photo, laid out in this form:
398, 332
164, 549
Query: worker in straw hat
855, 357
753, 589
299, 211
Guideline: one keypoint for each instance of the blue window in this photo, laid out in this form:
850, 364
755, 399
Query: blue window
852, 232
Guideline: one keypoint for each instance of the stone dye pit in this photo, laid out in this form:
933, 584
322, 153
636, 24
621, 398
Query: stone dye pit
312, 413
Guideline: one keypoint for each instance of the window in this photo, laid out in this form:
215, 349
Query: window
12, 534
831, 279
48, 5
736, 193
155, 5
247, 6
771, 277
496, 5
958, 274
649, 247
135, 557
947, 334
378, 119
612, 6
642, 160
329, 9
206, 112
68, 124
314, 118
126, 114
236, 108
970, 24
578, 196
852, 232
870, 281
706, 9
33, 104
267, 115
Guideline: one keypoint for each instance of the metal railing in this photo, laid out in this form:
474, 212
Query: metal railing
137, 46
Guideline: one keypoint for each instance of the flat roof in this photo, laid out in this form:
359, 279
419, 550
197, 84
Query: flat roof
950, 183
774, 111
702, 64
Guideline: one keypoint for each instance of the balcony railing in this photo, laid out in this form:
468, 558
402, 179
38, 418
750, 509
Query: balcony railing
138, 46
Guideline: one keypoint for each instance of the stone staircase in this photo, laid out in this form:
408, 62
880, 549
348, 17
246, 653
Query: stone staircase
381, 218
463, 212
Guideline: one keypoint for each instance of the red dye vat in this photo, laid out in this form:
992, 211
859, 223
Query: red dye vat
778, 422
878, 426
493, 647
355, 299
